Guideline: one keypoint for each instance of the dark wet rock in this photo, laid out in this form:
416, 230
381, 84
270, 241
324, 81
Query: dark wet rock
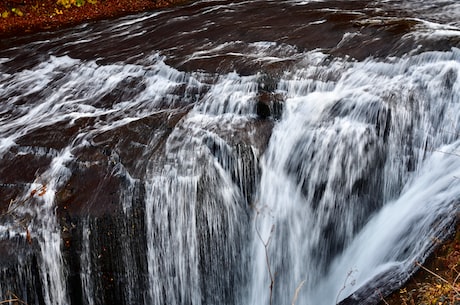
91, 190
18, 168
55, 136
269, 105
263, 110
13, 248
25, 264
135, 143
17, 171
125, 90
8, 193
114, 260
377, 289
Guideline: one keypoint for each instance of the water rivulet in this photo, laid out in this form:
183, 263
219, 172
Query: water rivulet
229, 153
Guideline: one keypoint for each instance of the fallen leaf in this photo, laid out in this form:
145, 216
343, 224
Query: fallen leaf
28, 236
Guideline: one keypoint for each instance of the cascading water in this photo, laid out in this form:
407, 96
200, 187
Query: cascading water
374, 150
195, 204
263, 151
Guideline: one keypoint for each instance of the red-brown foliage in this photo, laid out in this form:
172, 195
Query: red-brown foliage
27, 16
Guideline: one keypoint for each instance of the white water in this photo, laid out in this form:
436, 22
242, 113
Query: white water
66, 99
368, 137
349, 197
46, 230
194, 209
86, 270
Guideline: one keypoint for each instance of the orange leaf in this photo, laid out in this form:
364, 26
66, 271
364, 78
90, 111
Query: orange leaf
42, 191
28, 236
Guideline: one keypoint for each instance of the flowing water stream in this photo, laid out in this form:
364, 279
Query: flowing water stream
246, 152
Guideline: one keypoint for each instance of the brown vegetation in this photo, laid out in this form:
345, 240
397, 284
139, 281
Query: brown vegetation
19, 17
438, 280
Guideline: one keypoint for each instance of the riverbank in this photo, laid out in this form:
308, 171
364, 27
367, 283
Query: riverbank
437, 281
21, 17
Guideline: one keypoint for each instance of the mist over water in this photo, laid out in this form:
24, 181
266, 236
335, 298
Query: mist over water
196, 154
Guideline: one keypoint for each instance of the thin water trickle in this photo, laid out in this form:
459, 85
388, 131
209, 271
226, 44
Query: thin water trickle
47, 232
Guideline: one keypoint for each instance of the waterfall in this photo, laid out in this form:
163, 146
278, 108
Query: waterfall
196, 211
249, 156
359, 175
45, 229
86, 270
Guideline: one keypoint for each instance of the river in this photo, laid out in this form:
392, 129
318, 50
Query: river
245, 152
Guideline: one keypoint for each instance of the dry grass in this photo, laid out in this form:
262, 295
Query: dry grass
13, 299
20, 17
438, 280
